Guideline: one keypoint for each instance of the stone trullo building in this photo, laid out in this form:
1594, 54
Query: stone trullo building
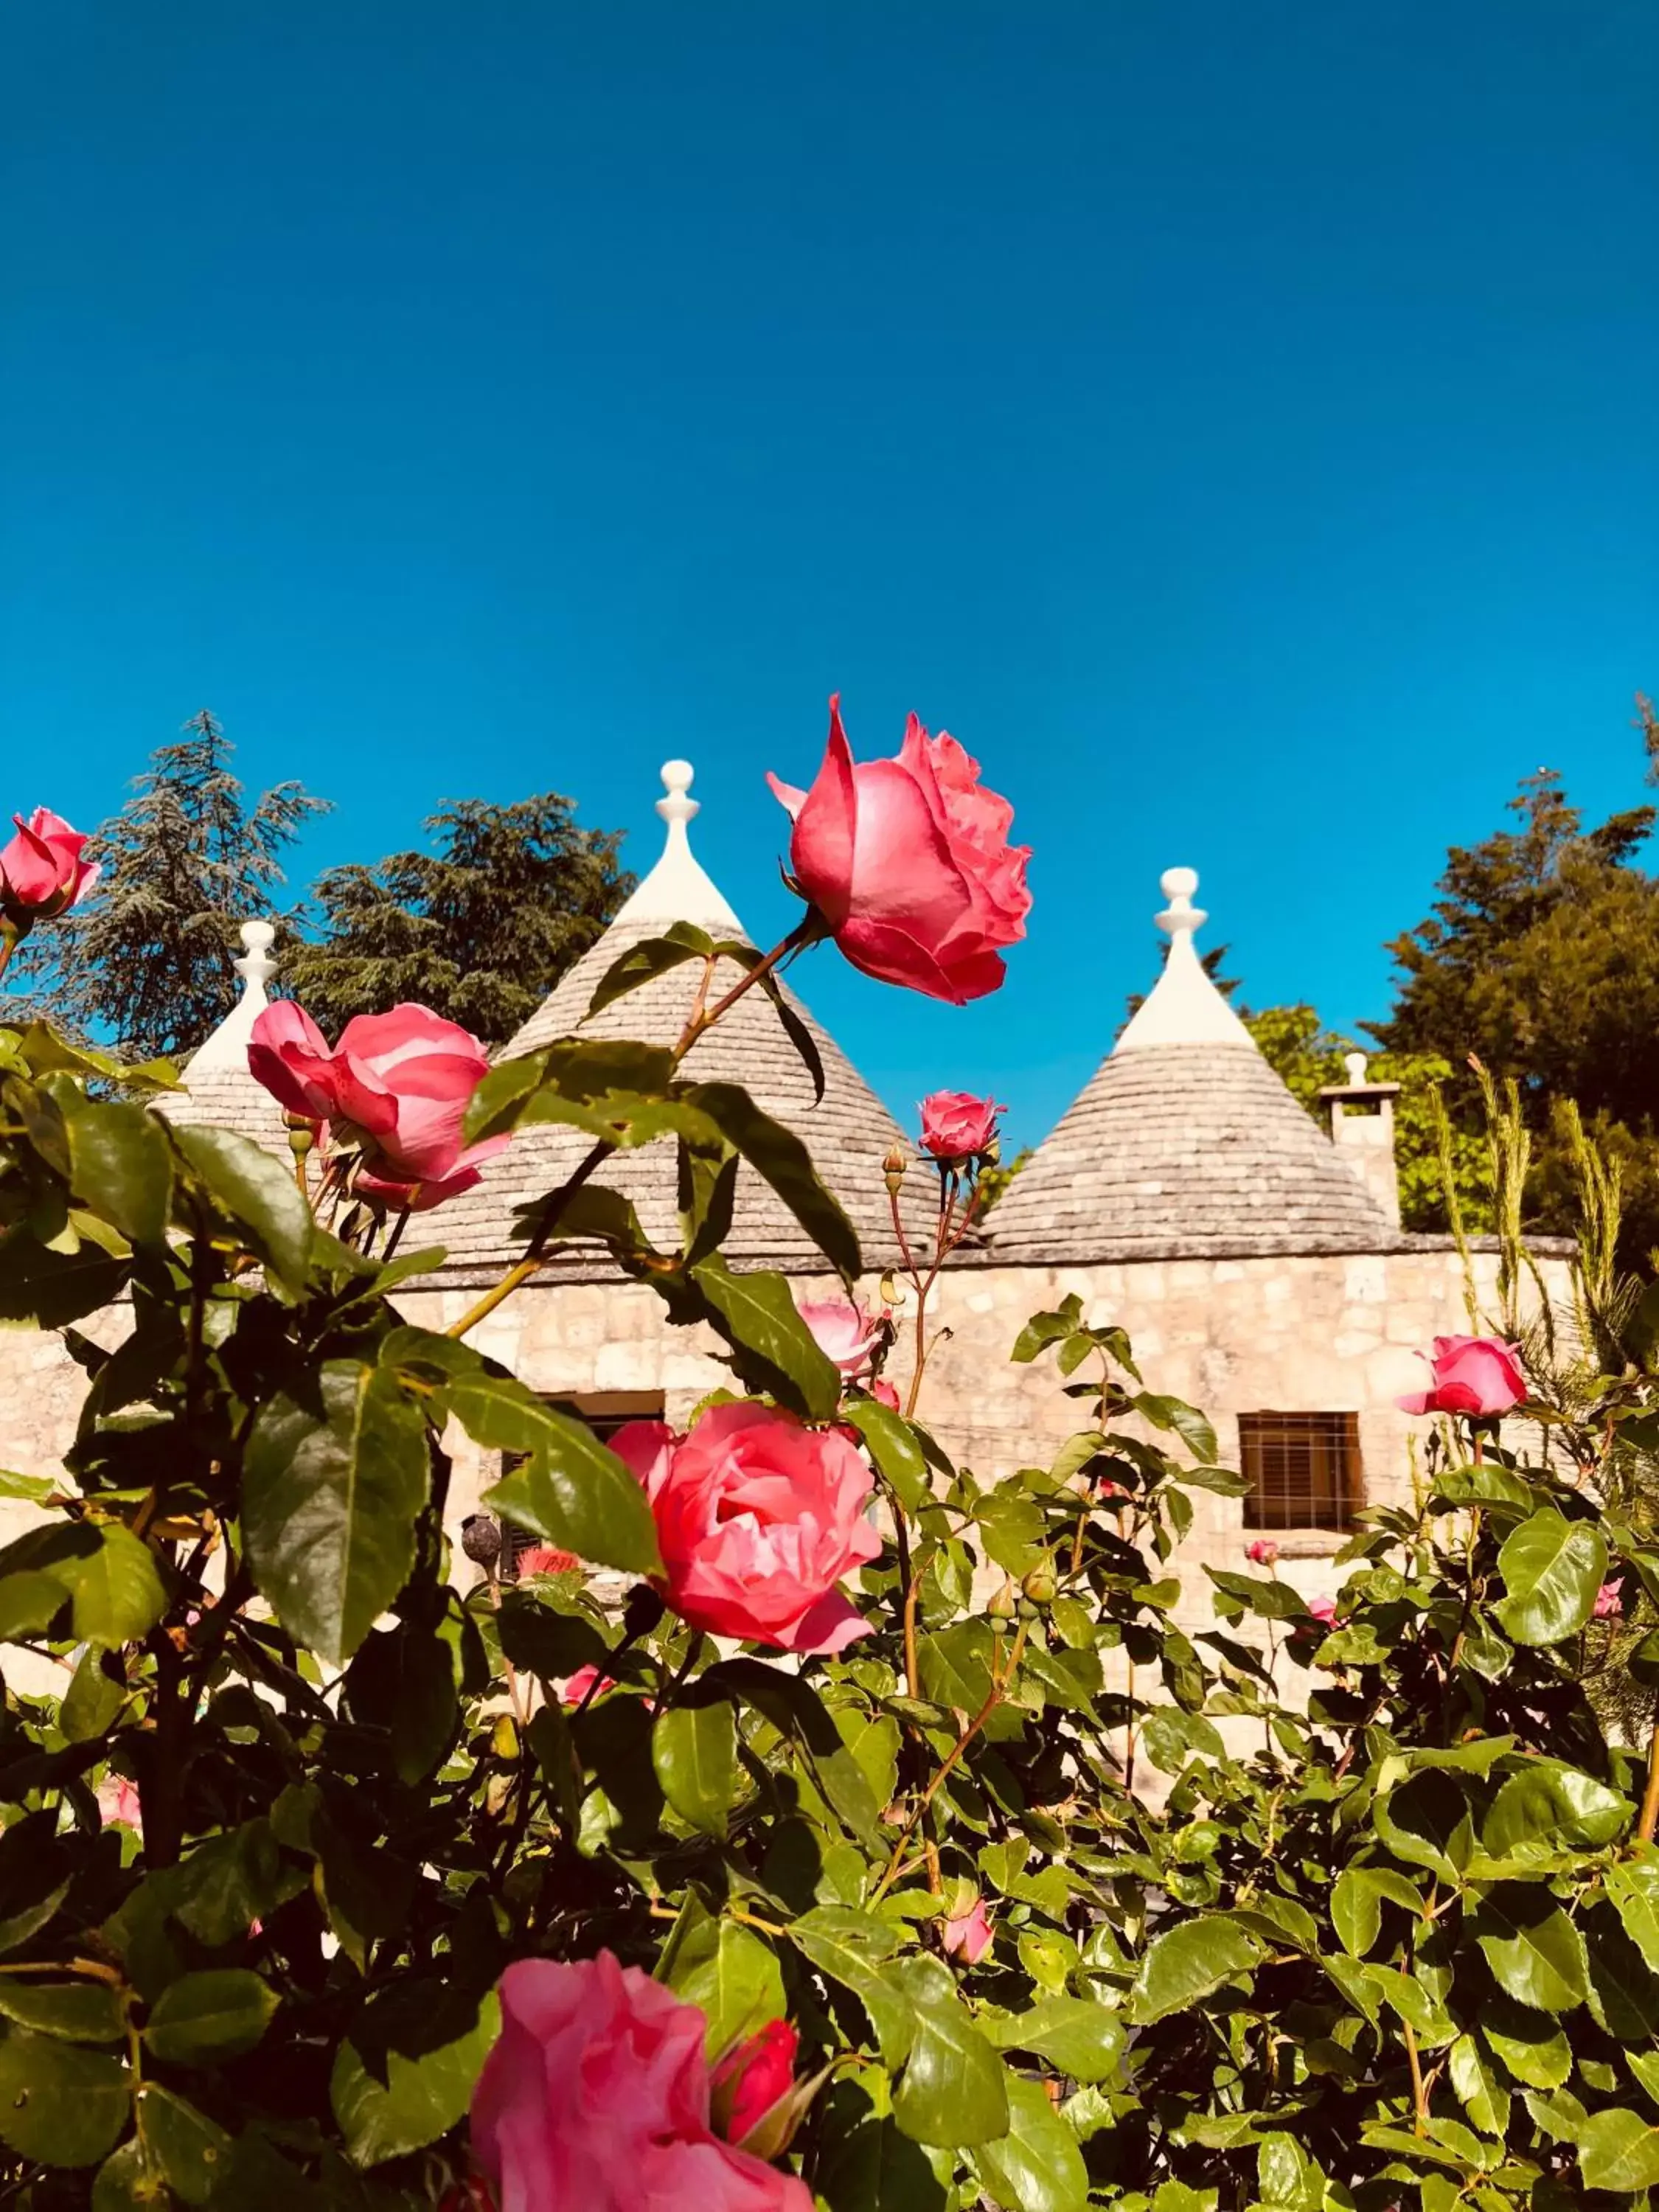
1257, 1262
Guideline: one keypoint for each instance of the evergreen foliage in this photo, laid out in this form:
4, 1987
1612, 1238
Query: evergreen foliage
479, 931
147, 958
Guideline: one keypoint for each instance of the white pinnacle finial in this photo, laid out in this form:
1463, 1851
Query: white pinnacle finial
678, 888
1355, 1063
227, 1046
1184, 1006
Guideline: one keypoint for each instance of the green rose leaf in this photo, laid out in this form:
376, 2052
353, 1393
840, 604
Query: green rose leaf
192, 2154
1186, 1963
202, 2018
259, 1194
1037, 2166
778, 1155
333, 1485
1080, 2038
78, 2012
1633, 1887
894, 1448
756, 1311
731, 1975
45, 1288
424, 2092
851, 1948
1530, 2045
29, 1603
694, 1749
1618, 2150
572, 1489
1535, 1952
1551, 1569
1554, 1806
121, 1167
58, 2103
954, 2091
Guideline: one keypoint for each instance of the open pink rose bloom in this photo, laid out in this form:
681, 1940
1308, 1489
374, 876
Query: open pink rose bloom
41, 871
397, 1084
909, 862
845, 1331
758, 1517
955, 1125
597, 2098
1478, 1375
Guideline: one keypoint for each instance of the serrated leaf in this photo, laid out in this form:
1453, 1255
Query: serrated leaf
192, 2153
1535, 1954
423, 2095
1551, 1569
779, 1156
1530, 2045
1036, 2166
50, 1290
1618, 2150
332, 1489
732, 1977
1081, 2039
203, 2019
894, 1448
574, 1490
121, 1167
756, 1313
259, 1194
954, 2091
1551, 1804
851, 1947
75, 2012
642, 964
694, 1751
61, 2104
1188, 1962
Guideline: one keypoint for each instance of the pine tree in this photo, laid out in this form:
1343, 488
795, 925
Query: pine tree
480, 930
146, 959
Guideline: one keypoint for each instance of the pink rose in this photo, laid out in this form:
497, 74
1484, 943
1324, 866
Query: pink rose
909, 862
884, 1394
576, 1686
1322, 1608
1475, 1374
752, 2079
966, 1936
41, 871
845, 1332
1609, 1602
117, 1800
396, 1085
955, 1126
596, 2098
1262, 1553
544, 1559
758, 1518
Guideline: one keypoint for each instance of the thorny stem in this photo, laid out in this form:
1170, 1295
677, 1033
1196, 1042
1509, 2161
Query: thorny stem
804, 932
999, 1684
392, 1241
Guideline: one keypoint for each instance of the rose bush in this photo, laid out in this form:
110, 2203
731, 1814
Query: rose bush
901, 1843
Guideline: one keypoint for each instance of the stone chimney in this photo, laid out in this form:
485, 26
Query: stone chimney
1362, 1129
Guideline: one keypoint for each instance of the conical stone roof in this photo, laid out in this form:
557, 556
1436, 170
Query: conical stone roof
218, 1088
1184, 1144
847, 1132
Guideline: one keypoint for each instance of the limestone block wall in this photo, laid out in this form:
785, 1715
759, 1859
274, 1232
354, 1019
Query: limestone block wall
1332, 1332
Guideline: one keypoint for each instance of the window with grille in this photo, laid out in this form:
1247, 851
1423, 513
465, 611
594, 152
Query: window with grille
605, 1413
1304, 1469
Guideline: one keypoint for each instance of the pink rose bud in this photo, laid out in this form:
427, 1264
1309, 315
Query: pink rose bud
845, 1331
396, 1086
966, 1936
750, 2080
1609, 1602
884, 1394
41, 871
758, 1517
1323, 1609
576, 1686
1477, 1375
117, 1800
909, 863
596, 2098
955, 1126
1264, 1552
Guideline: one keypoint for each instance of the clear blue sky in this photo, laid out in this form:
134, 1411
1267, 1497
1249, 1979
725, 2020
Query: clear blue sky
1239, 425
